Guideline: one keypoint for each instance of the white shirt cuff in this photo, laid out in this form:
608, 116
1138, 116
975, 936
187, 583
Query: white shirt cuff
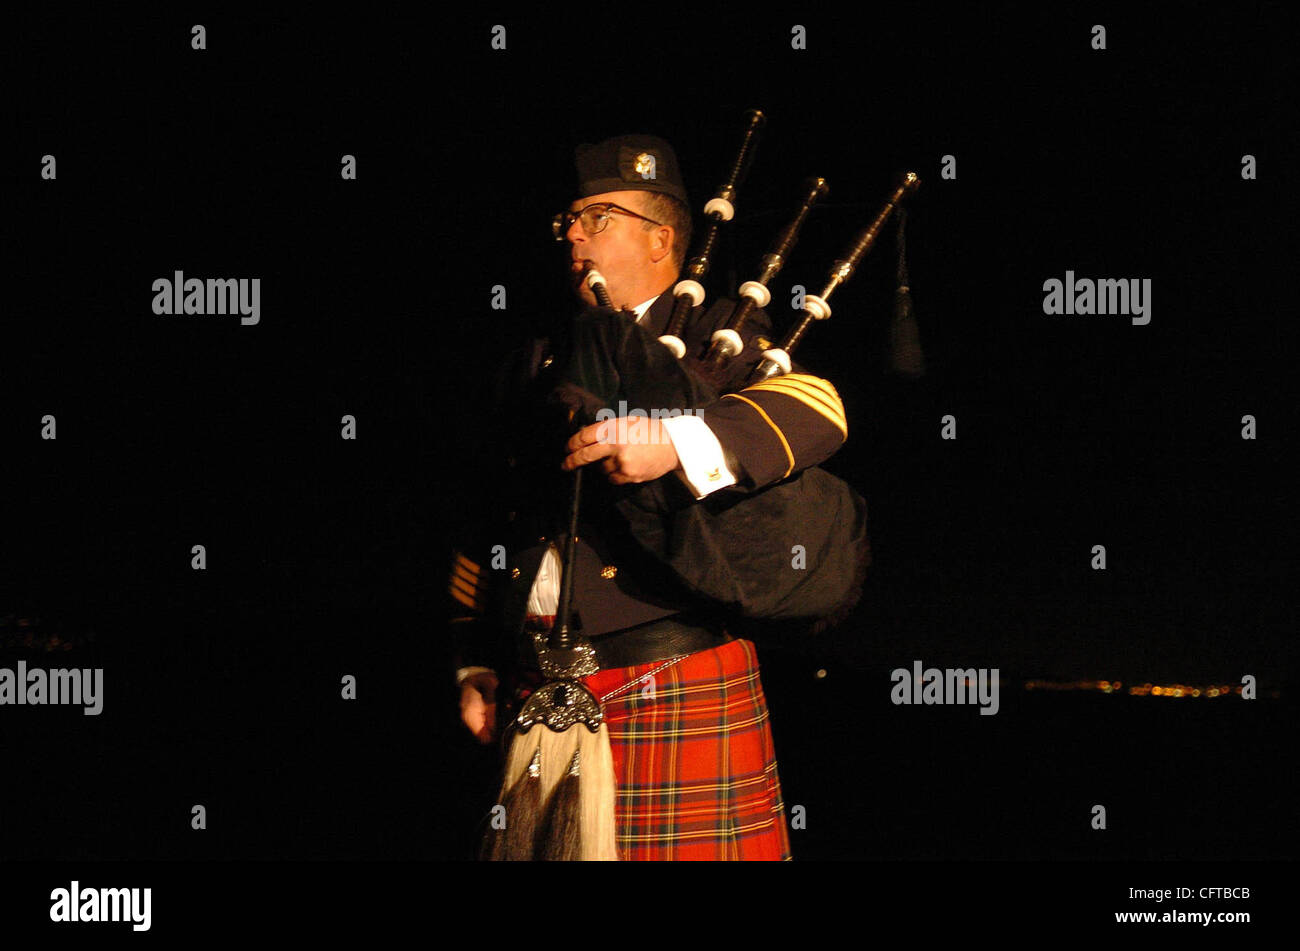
704, 466
471, 671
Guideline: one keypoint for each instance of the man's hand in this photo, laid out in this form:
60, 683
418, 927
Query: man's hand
477, 708
631, 449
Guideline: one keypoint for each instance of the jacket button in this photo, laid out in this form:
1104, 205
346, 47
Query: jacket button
514, 572
608, 571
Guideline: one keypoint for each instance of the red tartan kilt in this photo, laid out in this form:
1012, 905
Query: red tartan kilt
697, 776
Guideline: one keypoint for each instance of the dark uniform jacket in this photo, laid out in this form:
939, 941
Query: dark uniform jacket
787, 543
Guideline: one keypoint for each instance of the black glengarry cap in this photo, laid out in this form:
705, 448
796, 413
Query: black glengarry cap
629, 163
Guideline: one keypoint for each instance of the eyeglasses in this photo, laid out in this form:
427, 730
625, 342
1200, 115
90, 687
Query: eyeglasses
594, 218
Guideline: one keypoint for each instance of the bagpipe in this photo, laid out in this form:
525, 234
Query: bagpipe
736, 549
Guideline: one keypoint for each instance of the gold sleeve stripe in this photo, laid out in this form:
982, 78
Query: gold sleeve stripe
808, 384
775, 428
833, 406
824, 385
809, 396
468, 602
466, 564
463, 588
464, 578
813, 403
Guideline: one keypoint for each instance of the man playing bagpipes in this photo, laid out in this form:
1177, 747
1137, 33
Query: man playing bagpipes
649, 737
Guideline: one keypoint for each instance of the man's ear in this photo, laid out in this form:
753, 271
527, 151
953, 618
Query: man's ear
661, 243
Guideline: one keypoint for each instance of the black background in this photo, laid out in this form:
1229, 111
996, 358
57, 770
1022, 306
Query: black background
328, 557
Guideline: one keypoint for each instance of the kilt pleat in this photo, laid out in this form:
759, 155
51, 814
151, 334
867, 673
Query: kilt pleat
693, 755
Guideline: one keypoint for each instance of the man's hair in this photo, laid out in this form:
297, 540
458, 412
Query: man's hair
670, 211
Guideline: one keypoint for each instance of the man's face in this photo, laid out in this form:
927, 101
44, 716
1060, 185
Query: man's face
624, 252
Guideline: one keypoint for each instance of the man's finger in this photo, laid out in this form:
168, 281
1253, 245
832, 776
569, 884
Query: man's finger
589, 454
587, 435
489, 726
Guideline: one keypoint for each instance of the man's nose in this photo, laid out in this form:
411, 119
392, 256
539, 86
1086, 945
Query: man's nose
575, 232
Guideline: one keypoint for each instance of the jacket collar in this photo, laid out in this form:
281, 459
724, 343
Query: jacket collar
656, 318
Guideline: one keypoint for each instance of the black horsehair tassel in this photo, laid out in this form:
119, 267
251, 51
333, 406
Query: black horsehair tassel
574, 823
522, 806
560, 834
905, 354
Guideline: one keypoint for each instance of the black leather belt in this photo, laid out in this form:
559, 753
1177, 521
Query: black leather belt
657, 640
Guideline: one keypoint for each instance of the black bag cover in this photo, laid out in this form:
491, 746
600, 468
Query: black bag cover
795, 550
